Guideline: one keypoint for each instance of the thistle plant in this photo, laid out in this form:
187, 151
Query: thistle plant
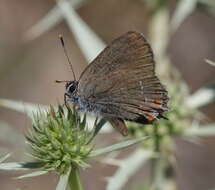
61, 142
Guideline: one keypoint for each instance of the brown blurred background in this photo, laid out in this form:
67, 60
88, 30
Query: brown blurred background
28, 70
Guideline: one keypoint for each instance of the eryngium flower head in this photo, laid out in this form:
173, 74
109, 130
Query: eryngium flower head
59, 139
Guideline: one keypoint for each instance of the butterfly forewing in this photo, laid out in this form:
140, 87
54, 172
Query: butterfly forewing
121, 81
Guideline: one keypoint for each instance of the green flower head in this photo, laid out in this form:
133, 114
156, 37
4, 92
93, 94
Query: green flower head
60, 139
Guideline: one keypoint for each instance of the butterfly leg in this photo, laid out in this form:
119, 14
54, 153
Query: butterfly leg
65, 95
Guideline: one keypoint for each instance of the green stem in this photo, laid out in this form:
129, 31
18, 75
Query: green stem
157, 170
74, 182
157, 139
157, 174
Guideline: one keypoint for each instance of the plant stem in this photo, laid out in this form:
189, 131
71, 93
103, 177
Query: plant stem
157, 174
157, 169
74, 182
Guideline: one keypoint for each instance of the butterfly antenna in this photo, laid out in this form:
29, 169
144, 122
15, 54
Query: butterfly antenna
60, 81
65, 52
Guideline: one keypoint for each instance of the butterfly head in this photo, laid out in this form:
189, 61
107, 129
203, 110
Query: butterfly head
71, 92
71, 87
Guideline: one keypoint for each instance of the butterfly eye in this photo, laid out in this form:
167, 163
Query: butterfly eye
71, 88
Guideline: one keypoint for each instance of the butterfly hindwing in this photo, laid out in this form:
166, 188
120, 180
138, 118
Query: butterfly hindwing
121, 81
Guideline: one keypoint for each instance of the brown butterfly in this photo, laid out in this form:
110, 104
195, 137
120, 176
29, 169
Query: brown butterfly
120, 84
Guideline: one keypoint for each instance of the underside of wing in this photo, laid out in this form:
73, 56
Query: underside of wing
121, 81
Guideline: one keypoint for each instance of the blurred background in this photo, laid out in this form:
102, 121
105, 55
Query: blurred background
31, 59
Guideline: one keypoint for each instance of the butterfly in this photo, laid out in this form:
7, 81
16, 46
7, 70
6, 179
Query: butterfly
120, 84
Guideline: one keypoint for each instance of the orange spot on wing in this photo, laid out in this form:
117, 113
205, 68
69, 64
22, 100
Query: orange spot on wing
150, 117
157, 101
